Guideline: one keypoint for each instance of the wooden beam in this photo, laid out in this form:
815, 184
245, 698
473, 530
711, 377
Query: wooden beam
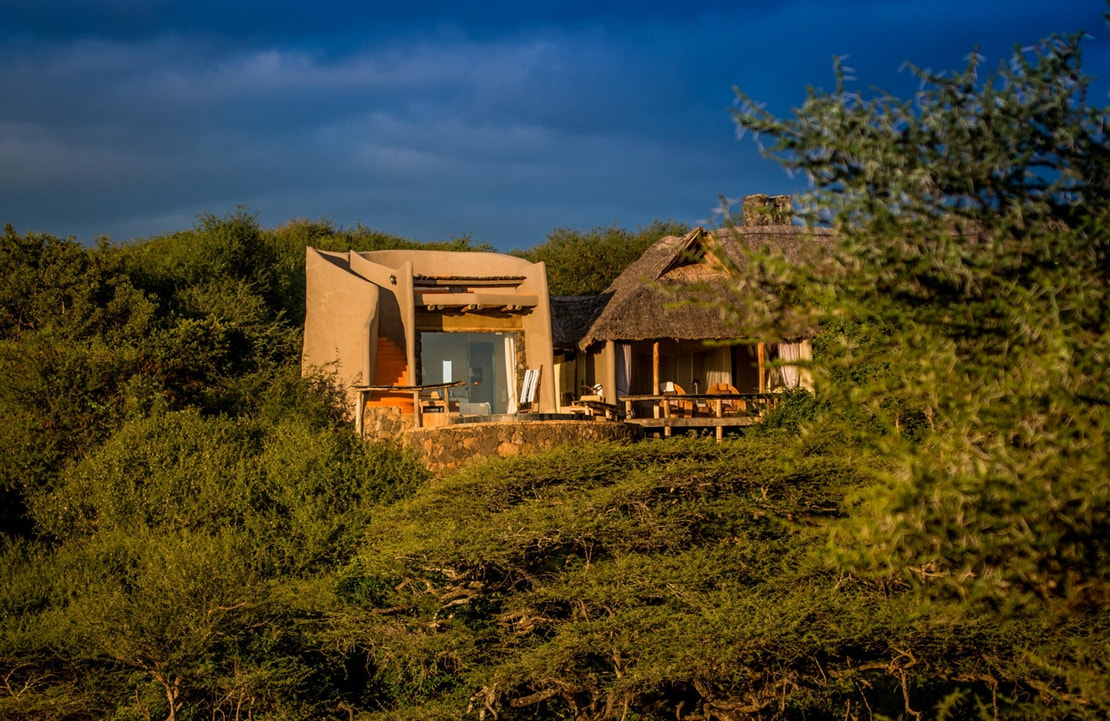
655, 374
719, 412
610, 383
761, 352
700, 422
468, 281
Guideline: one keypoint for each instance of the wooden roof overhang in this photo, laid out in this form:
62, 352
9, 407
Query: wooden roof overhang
472, 294
467, 280
476, 301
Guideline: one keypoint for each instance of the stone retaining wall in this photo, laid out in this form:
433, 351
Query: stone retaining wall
449, 447
385, 422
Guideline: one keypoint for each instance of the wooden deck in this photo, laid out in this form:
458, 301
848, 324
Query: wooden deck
420, 405
718, 412
667, 411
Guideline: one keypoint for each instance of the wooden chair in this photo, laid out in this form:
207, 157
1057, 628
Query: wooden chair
732, 407
677, 408
436, 403
529, 392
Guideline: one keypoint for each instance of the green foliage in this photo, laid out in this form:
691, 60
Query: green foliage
584, 263
693, 582
90, 337
229, 248
195, 552
64, 288
176, 497
797, 409
974, 266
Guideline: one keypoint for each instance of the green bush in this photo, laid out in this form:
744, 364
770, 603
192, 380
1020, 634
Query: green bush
585, 263
975, 353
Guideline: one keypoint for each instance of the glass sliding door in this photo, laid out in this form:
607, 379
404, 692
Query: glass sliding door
485, 362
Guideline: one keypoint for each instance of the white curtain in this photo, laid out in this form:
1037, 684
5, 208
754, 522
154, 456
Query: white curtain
718, 367
624, 367
510, 371
790, 354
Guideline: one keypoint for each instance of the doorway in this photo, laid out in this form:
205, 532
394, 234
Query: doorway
485, 362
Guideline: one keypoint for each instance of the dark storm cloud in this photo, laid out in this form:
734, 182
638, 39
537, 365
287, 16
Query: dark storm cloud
290, 21
129, 117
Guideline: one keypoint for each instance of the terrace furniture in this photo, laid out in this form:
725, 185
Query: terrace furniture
595, 406
674, 408
747, 409
728, 406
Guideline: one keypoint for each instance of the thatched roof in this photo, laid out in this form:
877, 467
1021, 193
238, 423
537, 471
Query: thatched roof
643, 304
571, 316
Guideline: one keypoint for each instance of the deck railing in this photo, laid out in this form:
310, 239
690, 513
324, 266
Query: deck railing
668, 410
365, 392
671, 410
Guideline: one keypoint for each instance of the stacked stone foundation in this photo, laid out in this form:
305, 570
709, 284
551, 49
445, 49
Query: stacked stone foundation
451, 447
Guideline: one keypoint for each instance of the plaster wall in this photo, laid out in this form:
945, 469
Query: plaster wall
340, 315
353, 298
397, 317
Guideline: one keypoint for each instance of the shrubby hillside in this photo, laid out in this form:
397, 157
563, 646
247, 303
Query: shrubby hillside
171, 486
177, 502
671, 579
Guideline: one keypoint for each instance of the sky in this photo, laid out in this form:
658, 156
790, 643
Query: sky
498, 120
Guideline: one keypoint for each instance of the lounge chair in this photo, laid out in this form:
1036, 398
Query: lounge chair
731, 407
678, 408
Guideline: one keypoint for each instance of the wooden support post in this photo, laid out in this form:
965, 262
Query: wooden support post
761, 352
718, 411
655, 374
416, 411
667, 419
359, 411
610, 382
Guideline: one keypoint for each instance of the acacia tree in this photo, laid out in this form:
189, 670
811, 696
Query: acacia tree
974, 245
586, 262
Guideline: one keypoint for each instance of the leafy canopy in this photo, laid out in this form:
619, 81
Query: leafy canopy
972, 276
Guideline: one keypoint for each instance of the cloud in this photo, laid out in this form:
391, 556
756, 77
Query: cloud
505, 119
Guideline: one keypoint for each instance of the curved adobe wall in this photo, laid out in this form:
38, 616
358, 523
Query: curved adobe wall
449, 447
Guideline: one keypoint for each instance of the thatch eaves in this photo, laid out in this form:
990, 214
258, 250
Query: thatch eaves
571, 317
675, 290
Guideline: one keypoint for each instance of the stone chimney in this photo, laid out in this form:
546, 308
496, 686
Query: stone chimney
768, 210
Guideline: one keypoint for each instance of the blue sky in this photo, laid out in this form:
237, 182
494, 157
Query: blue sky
503, 120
